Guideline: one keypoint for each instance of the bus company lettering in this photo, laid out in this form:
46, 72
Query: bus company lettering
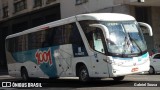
44, 57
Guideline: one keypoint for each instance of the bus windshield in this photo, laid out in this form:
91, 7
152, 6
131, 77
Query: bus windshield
125, 38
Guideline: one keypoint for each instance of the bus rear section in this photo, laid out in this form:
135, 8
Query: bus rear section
45, 53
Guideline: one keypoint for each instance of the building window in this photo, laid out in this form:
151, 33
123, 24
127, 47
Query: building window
78, 2
5, 12
20, 5
37, 3
49, 1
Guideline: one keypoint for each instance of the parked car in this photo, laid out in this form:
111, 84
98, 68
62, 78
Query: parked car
154, 63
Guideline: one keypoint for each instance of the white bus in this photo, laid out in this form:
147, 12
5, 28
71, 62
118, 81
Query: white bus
96, 45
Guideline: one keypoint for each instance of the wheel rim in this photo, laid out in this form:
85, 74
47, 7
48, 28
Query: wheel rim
24, 77
84, 74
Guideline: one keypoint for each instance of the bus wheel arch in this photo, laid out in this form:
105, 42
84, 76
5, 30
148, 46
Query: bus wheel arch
24, 73
82, 72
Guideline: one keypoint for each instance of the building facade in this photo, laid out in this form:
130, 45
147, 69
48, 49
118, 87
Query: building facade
149, 12
19, 15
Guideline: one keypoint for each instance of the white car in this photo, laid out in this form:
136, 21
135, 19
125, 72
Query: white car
154, 63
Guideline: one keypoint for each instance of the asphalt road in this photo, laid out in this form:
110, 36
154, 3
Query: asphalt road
130, 82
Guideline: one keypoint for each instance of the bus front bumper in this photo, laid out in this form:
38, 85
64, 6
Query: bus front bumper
122, 71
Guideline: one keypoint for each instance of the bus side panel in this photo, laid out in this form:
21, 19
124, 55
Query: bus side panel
38, 62
63, 58
11, 65
45, 62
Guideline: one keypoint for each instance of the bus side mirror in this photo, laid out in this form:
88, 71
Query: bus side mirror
103, 28
147, 27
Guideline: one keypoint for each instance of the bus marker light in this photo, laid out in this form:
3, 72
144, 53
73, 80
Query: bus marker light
44, 28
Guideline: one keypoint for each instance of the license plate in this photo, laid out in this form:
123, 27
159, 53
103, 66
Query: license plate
134, 70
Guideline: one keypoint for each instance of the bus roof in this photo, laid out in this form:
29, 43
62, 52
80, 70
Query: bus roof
105, 17
91, 16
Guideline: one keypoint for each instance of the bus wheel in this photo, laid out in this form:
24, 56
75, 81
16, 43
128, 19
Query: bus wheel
118, 78
24, 74
151, 70
83, 74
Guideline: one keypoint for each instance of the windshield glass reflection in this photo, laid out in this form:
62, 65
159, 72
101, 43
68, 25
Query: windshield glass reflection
125, 38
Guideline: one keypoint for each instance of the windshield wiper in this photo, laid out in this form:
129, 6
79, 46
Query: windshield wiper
132, 40
127, 44
124, 47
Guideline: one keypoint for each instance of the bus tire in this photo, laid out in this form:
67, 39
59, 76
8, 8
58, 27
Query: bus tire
83, 74
120, 78
24, 74
151, 70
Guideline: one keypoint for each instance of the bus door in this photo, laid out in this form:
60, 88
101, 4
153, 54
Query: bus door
97, 43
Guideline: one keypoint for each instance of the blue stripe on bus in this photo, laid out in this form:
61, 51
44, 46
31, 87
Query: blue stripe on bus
143, 56
46, 65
